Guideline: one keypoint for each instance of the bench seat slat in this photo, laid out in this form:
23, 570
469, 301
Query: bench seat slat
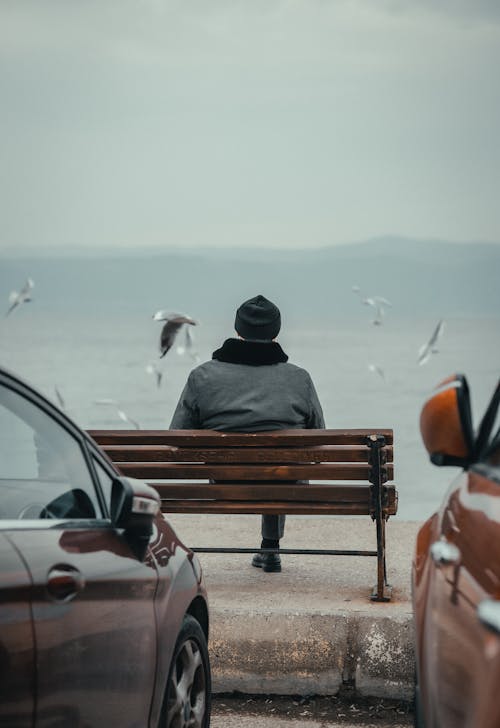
170, 453
320, 471
208, 438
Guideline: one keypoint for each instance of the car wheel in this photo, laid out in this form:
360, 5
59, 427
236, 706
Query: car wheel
187, 696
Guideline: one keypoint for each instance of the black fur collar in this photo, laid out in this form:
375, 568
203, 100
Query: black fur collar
254, 353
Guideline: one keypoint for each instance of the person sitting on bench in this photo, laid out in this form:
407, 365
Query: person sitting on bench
249, 386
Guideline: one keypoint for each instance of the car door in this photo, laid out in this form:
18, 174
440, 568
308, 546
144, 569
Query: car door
92, 599
487, 708
467, 572
17, 646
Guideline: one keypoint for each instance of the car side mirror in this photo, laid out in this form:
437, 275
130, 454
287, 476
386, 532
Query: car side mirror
446, 423
134, 506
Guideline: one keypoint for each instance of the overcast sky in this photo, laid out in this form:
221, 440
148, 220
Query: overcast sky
258, 122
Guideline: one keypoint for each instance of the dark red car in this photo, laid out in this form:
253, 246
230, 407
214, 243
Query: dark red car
456, 569
103, 611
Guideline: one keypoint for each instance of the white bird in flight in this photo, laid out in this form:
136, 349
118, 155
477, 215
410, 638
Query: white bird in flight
377, 302
121, 414
16, 298
426, 350
60, 398
174, 321
188, 346
377, 370
153, 368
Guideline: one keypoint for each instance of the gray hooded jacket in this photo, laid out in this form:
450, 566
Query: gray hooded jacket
248, 387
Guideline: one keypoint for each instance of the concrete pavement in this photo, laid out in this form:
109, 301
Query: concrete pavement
311, 628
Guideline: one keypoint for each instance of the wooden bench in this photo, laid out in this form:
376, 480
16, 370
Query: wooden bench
203, 471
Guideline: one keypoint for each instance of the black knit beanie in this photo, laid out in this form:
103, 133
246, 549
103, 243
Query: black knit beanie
258, 319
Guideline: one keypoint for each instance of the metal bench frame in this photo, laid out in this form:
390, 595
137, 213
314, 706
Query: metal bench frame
261, 473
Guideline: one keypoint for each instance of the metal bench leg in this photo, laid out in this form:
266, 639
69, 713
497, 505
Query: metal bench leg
382, 591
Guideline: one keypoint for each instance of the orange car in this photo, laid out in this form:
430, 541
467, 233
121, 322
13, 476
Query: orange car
456, 569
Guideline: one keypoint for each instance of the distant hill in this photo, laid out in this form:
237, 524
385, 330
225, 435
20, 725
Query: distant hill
420, 277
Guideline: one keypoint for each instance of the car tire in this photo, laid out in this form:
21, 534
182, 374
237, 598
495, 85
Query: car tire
188, 692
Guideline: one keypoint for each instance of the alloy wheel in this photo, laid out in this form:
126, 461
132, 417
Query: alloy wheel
187, 689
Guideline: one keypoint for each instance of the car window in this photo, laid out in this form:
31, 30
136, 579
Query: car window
493, 454
43, 472
105, 481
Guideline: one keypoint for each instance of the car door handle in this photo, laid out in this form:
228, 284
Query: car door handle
444, 553
488, 612
64, 582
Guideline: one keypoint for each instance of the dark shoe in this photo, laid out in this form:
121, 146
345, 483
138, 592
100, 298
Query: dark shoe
267, 562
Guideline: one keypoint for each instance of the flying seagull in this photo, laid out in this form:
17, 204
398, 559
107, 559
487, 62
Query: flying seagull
174, 321
153, 368
425, 351
121, 414
378, 303
188, 347
60, 398
377, 370
23, 296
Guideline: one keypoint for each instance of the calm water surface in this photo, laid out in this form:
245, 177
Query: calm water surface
91, 358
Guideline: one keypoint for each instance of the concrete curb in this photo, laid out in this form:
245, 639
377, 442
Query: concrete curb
300, 654
310, 628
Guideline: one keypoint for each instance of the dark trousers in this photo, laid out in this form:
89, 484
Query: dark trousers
273, 527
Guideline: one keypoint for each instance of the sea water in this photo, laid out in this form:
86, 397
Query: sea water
90, 358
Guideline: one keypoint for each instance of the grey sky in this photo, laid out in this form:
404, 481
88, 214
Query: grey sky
267, 122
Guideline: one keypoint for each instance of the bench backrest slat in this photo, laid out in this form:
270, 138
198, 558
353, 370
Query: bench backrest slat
265, 492
263, 455
311, 471
203, 438
261, 491
299, 508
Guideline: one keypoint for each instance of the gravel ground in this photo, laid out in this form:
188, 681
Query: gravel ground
343, 711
